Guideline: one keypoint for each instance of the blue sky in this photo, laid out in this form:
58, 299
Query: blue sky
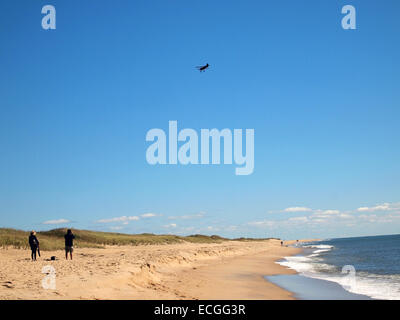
77, 102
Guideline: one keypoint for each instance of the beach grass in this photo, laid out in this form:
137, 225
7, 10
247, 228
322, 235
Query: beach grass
54, 239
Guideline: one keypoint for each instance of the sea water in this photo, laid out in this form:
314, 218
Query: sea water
368, 266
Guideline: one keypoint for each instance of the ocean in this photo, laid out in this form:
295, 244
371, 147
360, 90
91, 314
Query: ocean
367, 266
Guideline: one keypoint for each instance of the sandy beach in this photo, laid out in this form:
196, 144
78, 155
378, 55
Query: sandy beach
226, 270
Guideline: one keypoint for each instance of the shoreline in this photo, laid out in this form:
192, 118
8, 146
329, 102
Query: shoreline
226, 270
306, 287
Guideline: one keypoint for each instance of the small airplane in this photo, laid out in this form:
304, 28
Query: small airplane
203, 68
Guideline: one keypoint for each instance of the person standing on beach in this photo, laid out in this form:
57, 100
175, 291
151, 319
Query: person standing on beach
34, 244
69, 243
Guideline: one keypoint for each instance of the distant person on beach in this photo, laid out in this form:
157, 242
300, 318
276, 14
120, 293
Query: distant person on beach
69, 243
281, 243
34, 244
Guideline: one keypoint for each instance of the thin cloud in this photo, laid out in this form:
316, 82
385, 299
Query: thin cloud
211, 228
297, 209
330, 212
189, 216
325, 213
299, 219
317, 218
263, 223
58, 221
380, 207
116, 228
171, 225
149, 215
119, 219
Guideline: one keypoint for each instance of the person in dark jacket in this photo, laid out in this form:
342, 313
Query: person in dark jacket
34, 244
69, 243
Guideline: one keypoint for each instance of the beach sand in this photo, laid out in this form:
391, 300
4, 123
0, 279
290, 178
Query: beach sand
227, 270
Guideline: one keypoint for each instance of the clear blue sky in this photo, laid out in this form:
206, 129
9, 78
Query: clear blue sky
76, 103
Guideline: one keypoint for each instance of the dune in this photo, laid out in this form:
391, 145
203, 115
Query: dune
223, 270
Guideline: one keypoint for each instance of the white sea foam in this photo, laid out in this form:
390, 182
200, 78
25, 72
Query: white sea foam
385, 287
298, 263
319, 246
317, 252
373, 285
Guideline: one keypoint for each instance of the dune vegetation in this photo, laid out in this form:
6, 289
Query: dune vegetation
54, 239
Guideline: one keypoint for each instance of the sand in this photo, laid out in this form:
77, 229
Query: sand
227, 270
